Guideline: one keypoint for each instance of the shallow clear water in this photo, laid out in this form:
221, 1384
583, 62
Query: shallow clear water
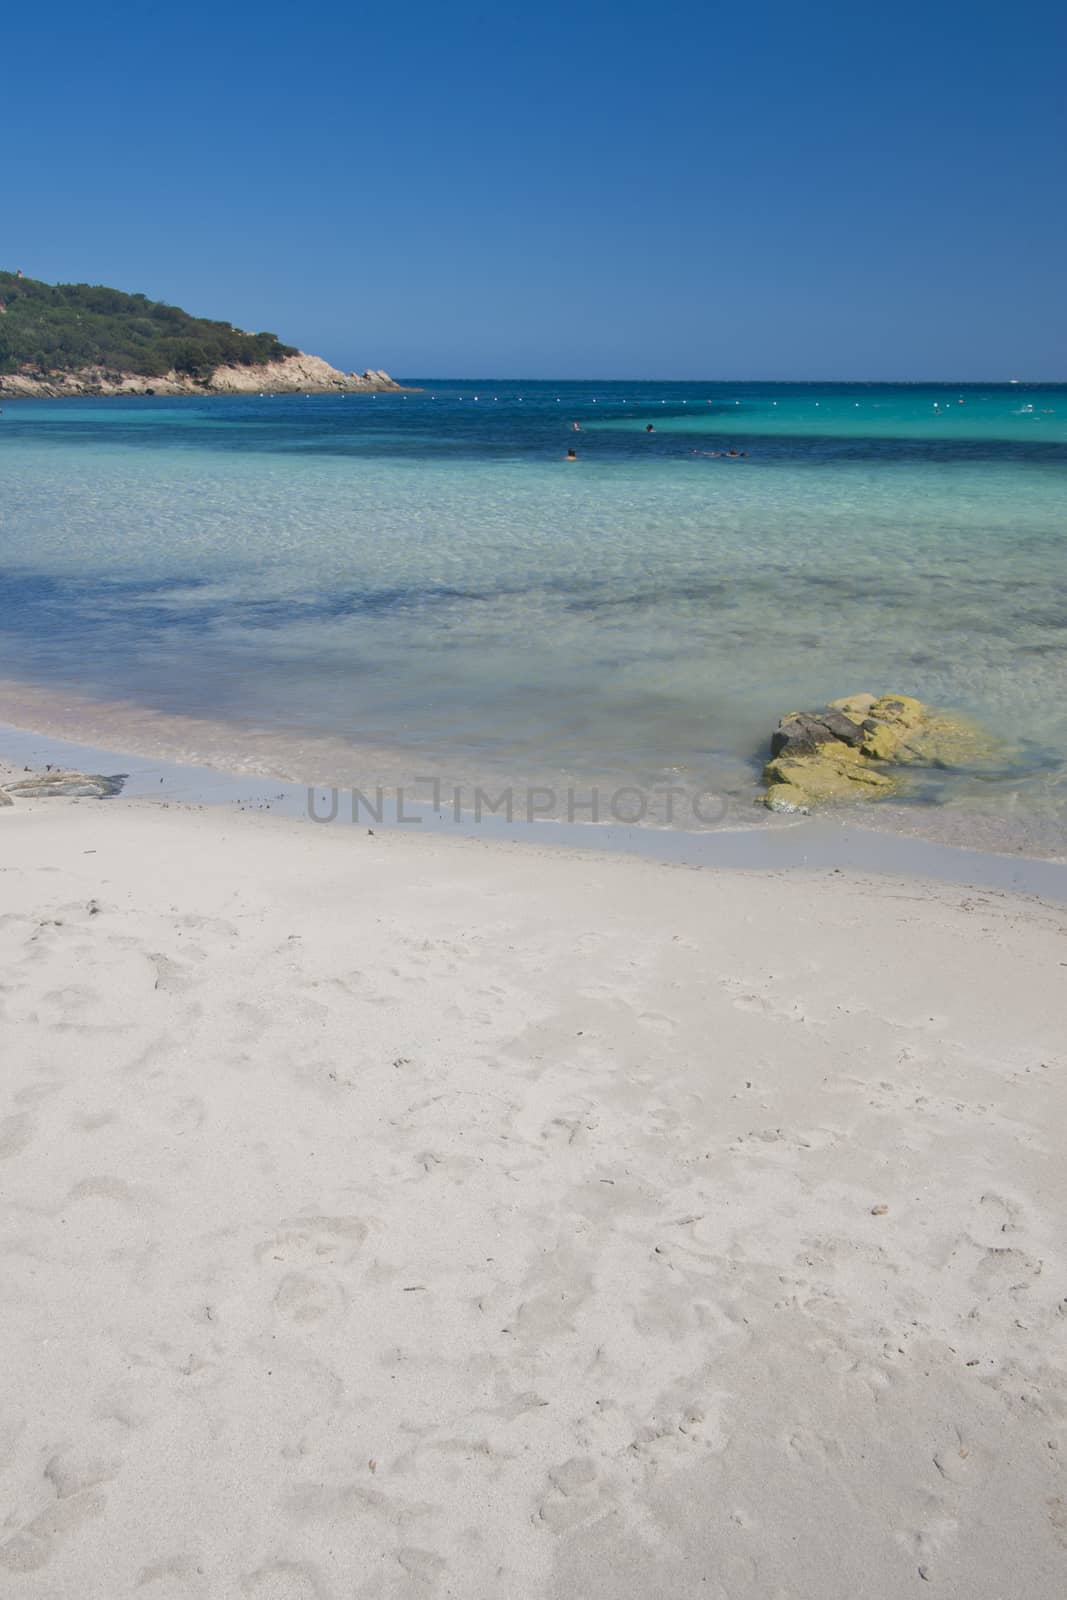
426, 579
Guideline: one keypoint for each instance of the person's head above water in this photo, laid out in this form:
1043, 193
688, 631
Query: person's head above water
649, 428
572, 455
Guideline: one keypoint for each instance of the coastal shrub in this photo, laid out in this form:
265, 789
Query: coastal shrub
46, 327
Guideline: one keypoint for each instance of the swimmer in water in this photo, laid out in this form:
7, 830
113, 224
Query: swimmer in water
649, 428
576, 426
572, 455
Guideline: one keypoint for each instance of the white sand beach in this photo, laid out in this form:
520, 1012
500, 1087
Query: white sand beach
388, 1217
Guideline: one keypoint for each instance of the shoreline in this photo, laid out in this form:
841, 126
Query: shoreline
823, 843
673, 1219
209, 759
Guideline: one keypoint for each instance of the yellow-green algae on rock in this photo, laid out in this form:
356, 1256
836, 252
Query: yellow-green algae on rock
861, 747
797, 782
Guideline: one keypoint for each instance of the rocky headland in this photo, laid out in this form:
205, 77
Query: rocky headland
295, 374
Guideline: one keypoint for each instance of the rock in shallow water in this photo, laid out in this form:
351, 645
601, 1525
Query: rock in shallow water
861, 747
835, 773
804, 732
77, 785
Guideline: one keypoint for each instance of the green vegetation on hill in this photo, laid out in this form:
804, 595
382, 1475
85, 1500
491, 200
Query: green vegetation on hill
65, 327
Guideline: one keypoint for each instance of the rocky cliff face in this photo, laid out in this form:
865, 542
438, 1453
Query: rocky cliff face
299, 374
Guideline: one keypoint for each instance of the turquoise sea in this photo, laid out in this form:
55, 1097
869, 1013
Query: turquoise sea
357, 588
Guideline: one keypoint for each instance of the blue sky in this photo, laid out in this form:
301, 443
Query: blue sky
661, 190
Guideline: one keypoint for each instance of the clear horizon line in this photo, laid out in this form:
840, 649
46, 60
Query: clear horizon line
948, 383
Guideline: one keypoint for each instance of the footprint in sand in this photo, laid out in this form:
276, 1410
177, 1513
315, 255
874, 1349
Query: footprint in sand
74, 998
313, 1240
106, 1187
1002, 1269
93, 1121
927, 1542
285, 1580
572, 1496
1000, 1216
31, 1547
422, 1564
16, 1133
815, 1451
172, 1578
954, 1460
70, 1474
184, 1115
198, 924
1057, 1516
169, 977
303, 1299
